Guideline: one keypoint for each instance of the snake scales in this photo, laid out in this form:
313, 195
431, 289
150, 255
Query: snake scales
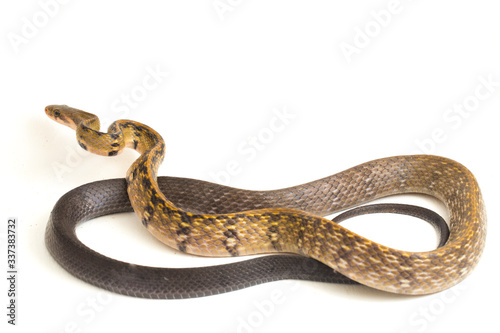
293, 225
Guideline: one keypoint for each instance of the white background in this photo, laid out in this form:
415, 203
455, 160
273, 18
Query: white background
224, 69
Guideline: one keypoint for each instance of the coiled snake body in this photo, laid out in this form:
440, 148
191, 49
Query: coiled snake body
295, 224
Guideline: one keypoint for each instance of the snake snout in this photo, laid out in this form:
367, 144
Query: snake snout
53, 111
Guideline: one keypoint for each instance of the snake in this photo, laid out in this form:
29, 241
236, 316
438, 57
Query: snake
285, 221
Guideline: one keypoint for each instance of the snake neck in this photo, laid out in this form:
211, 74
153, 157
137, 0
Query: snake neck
142, 186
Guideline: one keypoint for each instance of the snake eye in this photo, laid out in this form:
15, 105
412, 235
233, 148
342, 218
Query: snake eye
57, 113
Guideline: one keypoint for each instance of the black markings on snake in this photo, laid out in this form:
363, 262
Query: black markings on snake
222, 218
231, 233
166, 210
273, 237
275, 217
133, 174
155, 200
82, 145
182, 246
149, 209
184, 231
231, 248
113, 153
138, 129
184, 217
147, 182
230, 243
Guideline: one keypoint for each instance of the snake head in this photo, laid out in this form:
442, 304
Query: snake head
67, 116
60, 114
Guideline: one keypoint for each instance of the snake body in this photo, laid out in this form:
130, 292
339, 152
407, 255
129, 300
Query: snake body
110, 196
294, 224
